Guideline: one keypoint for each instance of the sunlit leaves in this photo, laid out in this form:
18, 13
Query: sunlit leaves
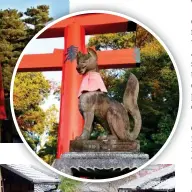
30, 89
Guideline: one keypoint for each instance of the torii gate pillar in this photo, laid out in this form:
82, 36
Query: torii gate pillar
70, 116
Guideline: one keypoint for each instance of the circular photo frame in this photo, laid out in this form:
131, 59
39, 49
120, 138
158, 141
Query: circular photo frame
114, 104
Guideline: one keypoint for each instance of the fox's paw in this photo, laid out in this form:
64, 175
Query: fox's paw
83, 136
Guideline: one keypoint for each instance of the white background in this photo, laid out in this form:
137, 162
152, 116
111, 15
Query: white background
171, 21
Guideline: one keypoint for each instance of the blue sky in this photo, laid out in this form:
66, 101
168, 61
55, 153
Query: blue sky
58, 8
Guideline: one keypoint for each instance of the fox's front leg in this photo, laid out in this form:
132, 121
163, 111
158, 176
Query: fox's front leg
87, 129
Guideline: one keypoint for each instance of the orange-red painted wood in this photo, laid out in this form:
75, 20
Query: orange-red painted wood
112, 59
98, 23
71, 122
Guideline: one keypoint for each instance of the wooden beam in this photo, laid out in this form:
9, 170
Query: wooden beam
122, 58
111, 59
98, 23
42, 62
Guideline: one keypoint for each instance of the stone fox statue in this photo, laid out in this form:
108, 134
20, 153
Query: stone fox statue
95, 105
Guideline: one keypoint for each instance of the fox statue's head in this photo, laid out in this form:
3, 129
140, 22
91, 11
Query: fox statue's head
87, 62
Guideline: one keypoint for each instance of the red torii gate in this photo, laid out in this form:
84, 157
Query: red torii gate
3, 115
74, 30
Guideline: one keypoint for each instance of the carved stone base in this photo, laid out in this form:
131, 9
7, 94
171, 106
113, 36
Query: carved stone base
104, 145
99, 164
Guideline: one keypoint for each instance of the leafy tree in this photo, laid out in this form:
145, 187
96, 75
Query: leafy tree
12, 32
32, 139
16, 30
113, 41
48, 151
36, 18
30, 90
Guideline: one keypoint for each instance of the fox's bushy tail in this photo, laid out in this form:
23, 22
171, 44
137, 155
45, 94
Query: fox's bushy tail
130, 103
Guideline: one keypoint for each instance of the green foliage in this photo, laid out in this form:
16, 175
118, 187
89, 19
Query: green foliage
12, 33
48, 151
113, 41
15, 33
164, 125
98, 130
68, 185
36, 18
30, 89
32, 139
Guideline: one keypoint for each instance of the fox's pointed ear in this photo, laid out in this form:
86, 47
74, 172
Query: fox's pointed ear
92, 52
78, 54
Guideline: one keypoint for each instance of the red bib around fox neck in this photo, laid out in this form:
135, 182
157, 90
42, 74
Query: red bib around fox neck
92, 81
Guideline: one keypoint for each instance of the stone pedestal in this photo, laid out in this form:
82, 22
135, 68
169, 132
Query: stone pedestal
99, 162
104, 146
